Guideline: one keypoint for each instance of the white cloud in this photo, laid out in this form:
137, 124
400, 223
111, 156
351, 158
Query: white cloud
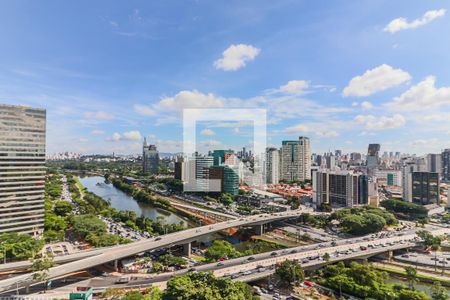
144, 110
207, 132
133, 135
375, 80
422, 96
300, 128
320, 129
294, 87
83, 140
366, 105
98, 115
115, 137
379, 123
236, 56
403, 24
191, 99
97, 132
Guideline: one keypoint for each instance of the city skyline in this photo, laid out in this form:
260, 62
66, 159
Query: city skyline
366, 73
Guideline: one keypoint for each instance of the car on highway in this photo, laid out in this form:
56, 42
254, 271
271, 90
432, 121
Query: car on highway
251, 258
122, 280
262, 269
273, 254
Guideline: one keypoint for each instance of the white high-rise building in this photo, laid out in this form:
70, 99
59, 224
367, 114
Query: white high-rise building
272, 165
22, 169
296, 160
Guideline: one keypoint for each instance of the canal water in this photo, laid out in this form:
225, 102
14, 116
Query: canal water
424, 287
121, 201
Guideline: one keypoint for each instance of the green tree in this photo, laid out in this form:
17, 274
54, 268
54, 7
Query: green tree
171, 260
205, 286
405, 209
40, 267
438, 292
221, 249
133, 295
290, 272
429, 240
19, 246
226, 199
62, 208
406, 294
157, 267
411, 276
82, 225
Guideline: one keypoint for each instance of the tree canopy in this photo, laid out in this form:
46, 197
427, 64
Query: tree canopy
290, 272
406, 210
19, 246
221, 249
205, 286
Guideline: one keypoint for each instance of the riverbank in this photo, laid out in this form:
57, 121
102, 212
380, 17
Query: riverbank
421, 276
142, 195
122, 200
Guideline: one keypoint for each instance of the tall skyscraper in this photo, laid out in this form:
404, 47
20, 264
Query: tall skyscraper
272, 165
330, 161
150, 159
407, 168
373, 156
340, 188
296, 160
434, 163
22, 169
445, 158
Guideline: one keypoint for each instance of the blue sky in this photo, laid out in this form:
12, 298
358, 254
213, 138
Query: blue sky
344, 73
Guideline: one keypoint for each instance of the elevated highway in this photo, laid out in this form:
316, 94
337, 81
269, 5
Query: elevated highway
115, 253
254, 267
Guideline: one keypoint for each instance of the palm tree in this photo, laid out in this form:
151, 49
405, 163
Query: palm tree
411, 276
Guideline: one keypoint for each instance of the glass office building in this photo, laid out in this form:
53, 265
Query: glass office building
425, 188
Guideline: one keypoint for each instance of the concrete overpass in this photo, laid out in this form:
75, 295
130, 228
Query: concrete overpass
26, 264
115, 253
346, 249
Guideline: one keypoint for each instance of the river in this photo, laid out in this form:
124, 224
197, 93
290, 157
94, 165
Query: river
424, 287
121, 201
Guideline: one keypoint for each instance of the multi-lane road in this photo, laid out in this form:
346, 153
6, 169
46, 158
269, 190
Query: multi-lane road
258, 266
121, 251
